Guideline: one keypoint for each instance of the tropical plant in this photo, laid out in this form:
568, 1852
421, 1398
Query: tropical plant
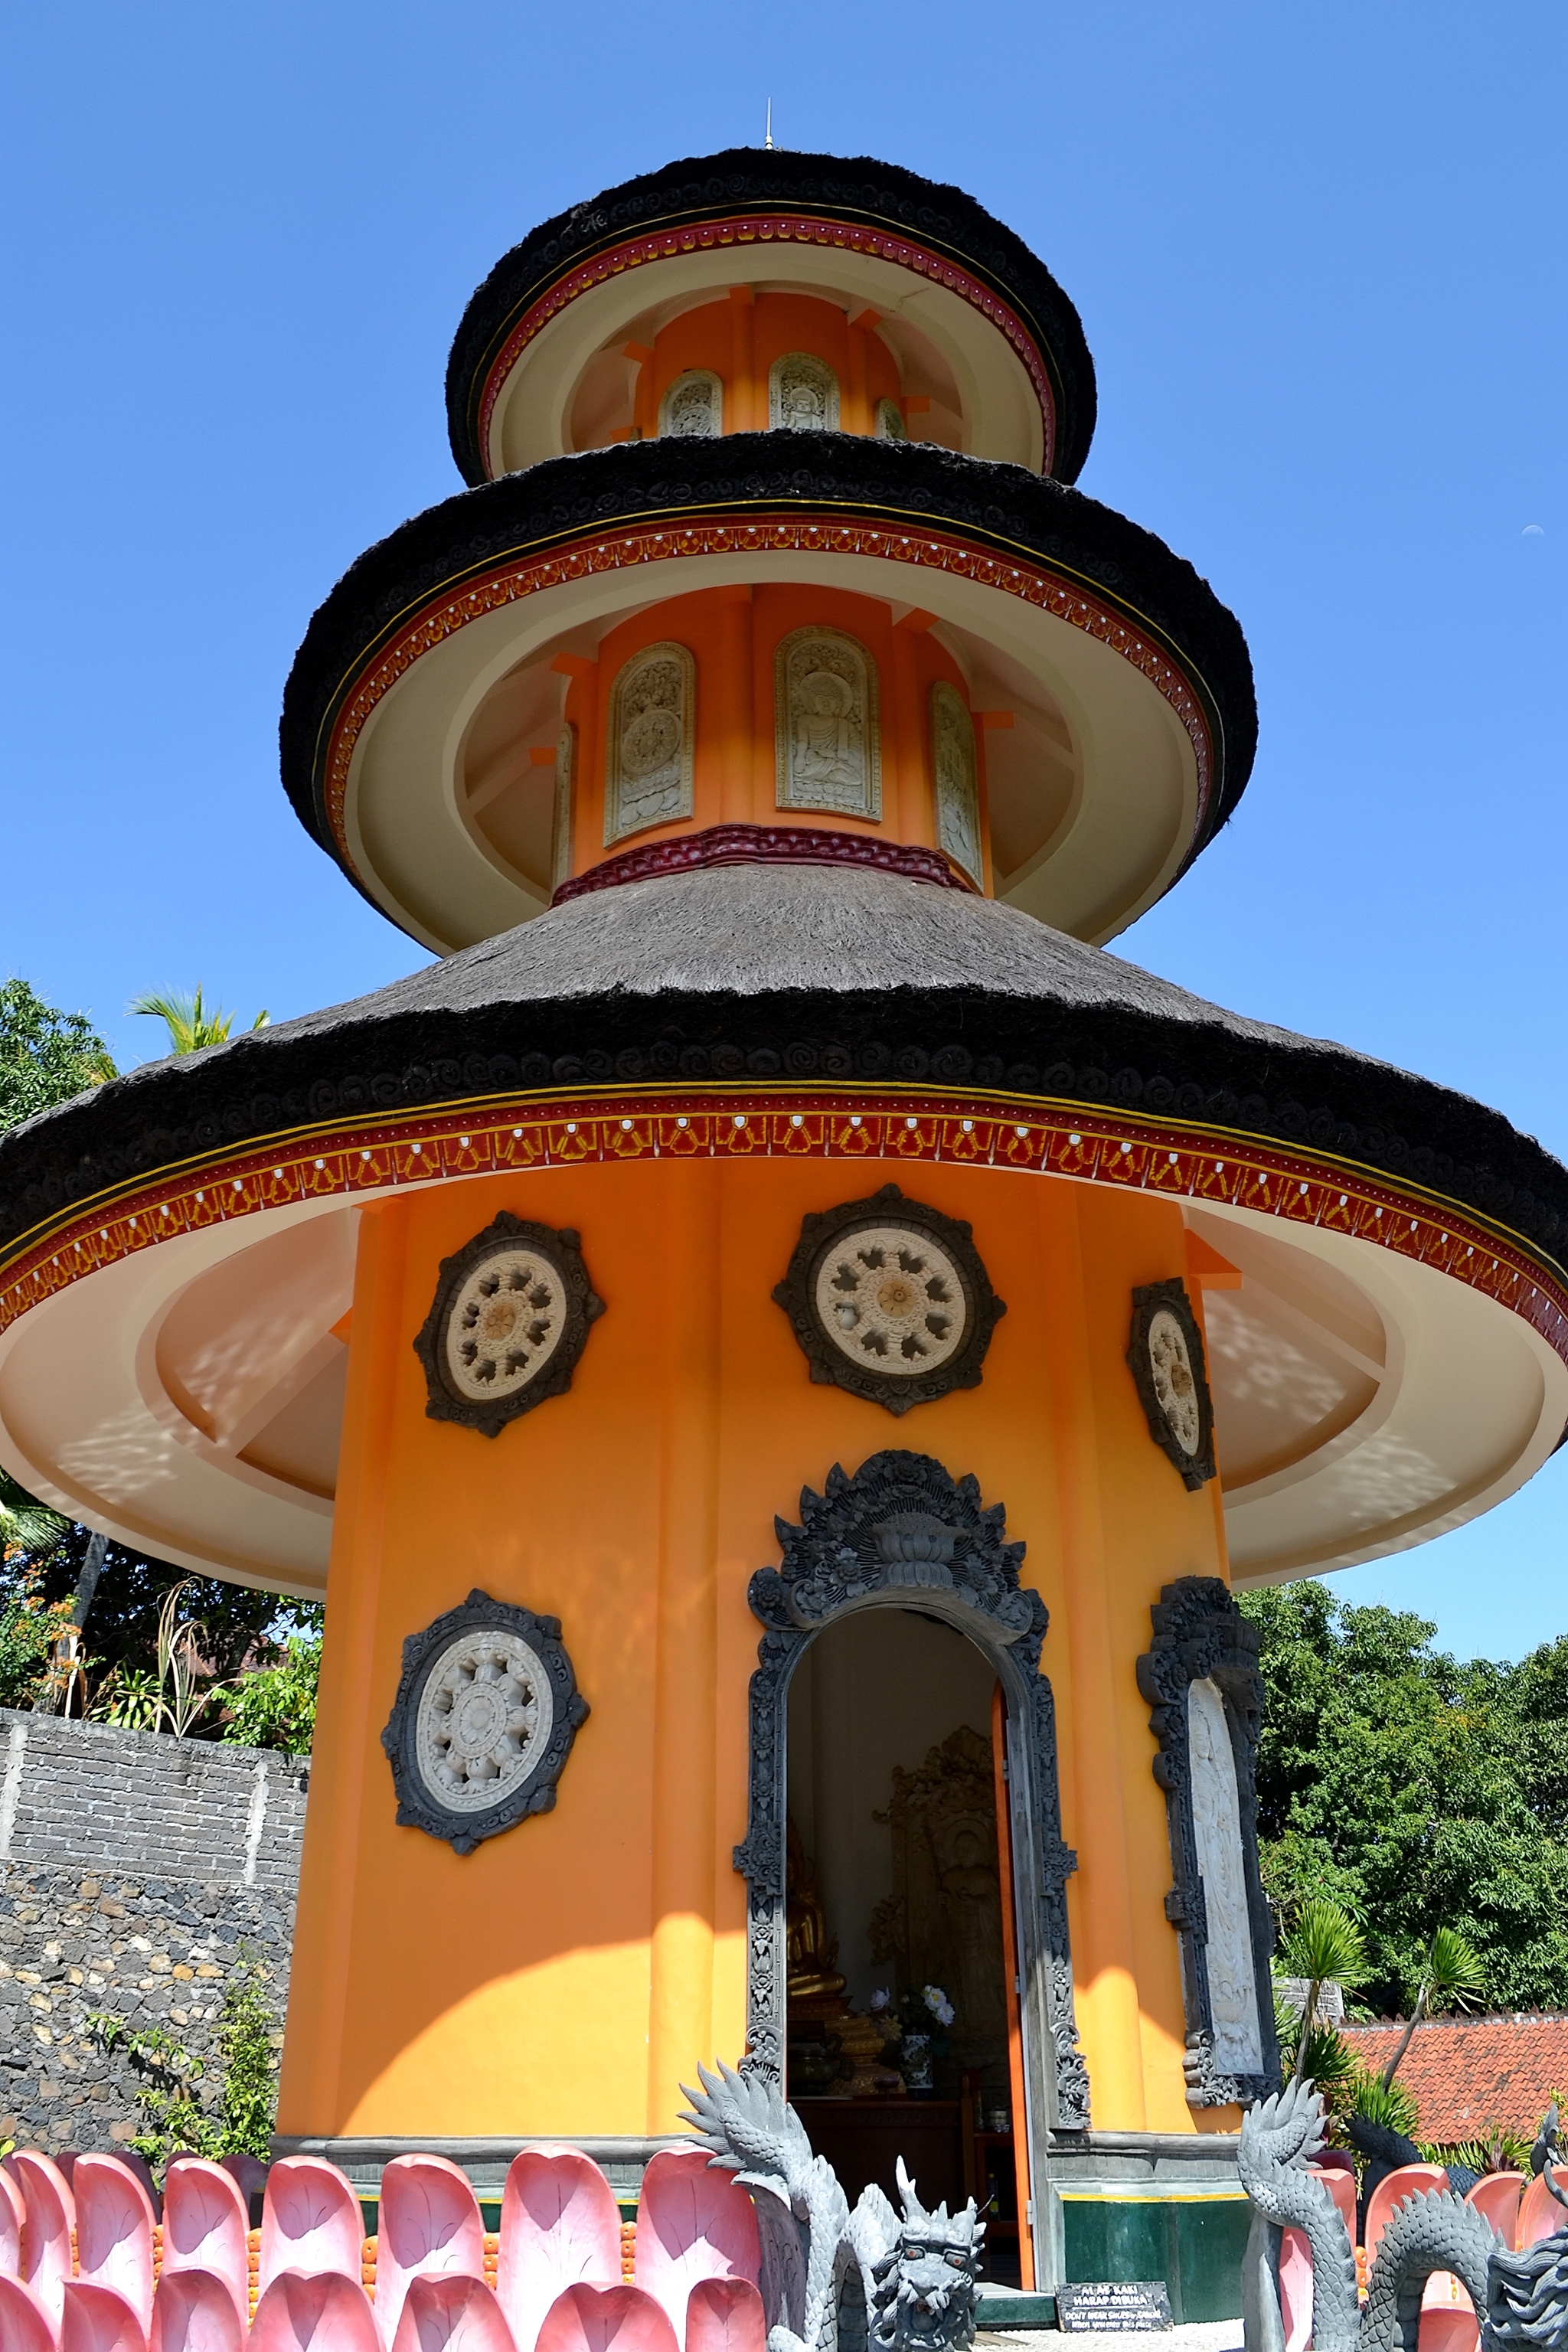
45, 1056
30, 1630
183, 1688
275, 1705
1451, 1979
1377, 2100
175, 2122
190, 1024
26, 1525
1324, 1946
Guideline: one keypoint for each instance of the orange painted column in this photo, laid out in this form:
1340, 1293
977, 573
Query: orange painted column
1100, 1894
905, 796
680, 2002
741, 406
321, 1974
730, 690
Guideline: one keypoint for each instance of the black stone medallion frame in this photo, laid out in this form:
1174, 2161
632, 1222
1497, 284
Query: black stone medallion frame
1200, 1633
831, 1228
903, 1533
418, 1806
1171, 1299
564, 1250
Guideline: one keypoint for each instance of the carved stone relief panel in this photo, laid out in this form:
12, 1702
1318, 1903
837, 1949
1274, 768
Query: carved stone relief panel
904, 1530
889, 422
1201, 1678
802, 395
826, 735
1165, 1355
484, 1719
693, 407
890, 1300
509, 1321
653, 711
956, 780
561, 830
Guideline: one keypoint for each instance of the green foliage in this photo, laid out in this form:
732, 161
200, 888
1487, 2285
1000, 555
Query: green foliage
1420, 1793
26, 1525
175, 2120
275, 1706
1325, 1945
1393, 2105
45, 1056
189, 1024
183, 1688
30, 1628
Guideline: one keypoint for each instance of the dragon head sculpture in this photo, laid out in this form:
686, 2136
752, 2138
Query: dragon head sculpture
924, 2285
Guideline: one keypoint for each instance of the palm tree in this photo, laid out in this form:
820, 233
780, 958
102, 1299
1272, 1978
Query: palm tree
1451, 1976
26, 1525
190, 1024
1325, 1946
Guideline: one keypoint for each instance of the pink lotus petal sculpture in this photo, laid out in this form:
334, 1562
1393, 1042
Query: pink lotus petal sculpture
114, 2232
248, 2173
13, 2214
725, 2315
310, 2222
692, 2223
607, 2319
1540, 2214
1496, 2195
98, 2319
430, 2226
1296, 2289
193, 2311
446, 2312
559, 2227
326, 2312
24, 2325
46, 2229
1408, 2180
205, 2226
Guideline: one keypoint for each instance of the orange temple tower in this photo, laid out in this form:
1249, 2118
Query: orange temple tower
777, 1348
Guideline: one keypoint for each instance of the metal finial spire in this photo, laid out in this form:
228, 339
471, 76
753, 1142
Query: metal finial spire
768, 141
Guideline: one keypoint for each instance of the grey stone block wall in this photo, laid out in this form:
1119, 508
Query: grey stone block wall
137, 1872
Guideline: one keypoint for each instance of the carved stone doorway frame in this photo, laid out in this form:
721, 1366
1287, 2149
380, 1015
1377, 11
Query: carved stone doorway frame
903, 1533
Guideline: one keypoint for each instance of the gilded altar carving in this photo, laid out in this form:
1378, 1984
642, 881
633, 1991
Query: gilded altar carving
942, 1922
826, 733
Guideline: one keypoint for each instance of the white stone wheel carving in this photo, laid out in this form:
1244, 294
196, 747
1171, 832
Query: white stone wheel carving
892, 1301
504, 1325
484, 1718
1175, 1384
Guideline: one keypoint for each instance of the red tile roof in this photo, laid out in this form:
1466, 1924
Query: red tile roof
1470, 2073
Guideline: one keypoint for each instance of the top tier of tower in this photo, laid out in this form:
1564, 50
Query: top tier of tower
763, 288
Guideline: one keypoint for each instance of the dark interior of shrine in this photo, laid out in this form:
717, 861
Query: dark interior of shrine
895, 1884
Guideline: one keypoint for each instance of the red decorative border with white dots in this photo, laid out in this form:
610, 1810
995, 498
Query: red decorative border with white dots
767, 228
940, 550
514, 1135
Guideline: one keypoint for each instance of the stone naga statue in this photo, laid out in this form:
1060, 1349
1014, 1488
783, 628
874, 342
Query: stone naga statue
1521, 2300
917, 2275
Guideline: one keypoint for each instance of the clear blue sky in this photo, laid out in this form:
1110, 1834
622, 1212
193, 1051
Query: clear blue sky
1318, 255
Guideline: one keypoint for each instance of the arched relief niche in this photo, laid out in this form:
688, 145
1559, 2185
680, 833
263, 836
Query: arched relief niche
903, 1533
802, 395
828, 749
692, 408
1201, 1678
648, 758
956, 781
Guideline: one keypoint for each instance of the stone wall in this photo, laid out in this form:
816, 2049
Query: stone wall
136, 1871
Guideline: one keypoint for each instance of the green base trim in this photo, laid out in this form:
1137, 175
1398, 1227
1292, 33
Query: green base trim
1194, 2241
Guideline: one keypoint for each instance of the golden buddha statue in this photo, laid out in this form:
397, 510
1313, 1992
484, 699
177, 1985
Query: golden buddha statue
815, 1987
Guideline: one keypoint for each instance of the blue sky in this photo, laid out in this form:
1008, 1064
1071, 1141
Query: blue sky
1318, 254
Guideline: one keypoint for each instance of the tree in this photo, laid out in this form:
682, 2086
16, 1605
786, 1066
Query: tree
1419, 1792
1324, 1947
45, 1056
189, 1024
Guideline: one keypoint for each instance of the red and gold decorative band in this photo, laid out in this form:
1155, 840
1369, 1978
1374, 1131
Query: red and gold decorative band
768, 228
519, 1134
763, 845
943, 549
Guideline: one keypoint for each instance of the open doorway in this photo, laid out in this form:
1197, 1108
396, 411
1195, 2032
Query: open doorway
898, 1881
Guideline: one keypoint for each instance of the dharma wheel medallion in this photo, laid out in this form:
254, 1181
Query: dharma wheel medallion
484, 1720
890, 1300
1166, 1358
509, 1319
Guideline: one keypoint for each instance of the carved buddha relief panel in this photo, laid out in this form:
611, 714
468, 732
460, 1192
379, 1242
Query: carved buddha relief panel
802, 395
561, 828
826, 735
648, 765
693, 407
1217, 1831
956, 781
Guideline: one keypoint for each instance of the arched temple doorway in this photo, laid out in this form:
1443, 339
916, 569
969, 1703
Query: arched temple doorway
904, 1778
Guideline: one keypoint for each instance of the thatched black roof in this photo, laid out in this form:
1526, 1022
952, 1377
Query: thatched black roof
709, 187
796, 972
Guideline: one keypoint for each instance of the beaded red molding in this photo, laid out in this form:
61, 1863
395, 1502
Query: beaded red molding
515, 1134
944, 550
762, 845
768, 228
